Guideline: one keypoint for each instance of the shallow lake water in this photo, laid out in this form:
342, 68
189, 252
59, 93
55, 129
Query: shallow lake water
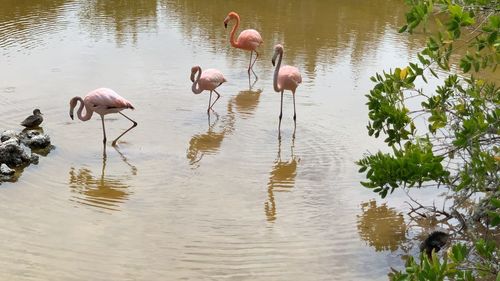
183, 196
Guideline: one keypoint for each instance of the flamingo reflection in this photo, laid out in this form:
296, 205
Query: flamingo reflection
209, 143
106, 192
281, 179
246, 102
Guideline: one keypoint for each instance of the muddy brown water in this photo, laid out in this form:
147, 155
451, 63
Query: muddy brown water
184, 197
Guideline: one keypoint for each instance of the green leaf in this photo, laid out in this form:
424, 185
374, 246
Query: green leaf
495, 202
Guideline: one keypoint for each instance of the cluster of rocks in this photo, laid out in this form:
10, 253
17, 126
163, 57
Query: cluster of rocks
16, 150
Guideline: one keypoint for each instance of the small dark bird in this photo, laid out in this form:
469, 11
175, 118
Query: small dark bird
435, 241
33, 120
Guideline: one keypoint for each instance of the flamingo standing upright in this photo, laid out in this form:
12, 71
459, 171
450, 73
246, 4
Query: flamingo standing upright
285, 78
102, 101
249, 39
209, 80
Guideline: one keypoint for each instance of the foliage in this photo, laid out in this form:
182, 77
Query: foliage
453, 265
449, 136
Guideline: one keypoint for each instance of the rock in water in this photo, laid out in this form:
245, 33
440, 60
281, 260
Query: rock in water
15, 150
7, 135
34, 139
5, 170
12, 153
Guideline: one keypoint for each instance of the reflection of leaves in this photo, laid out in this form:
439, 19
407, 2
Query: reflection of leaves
126, 17
323, 31
24, 21
381, 227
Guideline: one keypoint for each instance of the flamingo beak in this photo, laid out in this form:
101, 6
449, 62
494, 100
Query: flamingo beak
225, 25
71, 114
273, 61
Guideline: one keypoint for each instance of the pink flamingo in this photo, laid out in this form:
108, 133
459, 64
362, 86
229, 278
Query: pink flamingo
285, 78
102, 101
209, 80
249, 39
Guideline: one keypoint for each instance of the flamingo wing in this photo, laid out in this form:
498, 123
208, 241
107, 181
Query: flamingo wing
107, 97
289, 77
212, 78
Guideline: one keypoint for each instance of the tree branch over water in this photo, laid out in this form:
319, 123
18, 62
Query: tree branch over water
458, 147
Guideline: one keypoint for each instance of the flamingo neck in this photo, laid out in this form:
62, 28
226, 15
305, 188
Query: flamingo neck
276, 72
196, 87
233, 31
88, 111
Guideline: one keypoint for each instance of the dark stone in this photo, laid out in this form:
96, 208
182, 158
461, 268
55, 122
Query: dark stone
34, 159
35, 139
16, 150
14, 154
7, 135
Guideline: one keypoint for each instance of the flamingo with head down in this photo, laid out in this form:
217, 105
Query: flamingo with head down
208, 80
102, 101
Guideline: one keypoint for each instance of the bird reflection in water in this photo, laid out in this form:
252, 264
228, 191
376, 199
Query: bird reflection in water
209, 143
246, 102
106, 192
281, 179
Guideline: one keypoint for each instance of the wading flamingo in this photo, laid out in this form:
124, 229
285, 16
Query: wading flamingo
209, 80
102, 101
249, 39
285, 78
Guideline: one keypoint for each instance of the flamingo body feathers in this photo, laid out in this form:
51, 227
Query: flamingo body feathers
249, 39
289, 78
104, 101
210, 79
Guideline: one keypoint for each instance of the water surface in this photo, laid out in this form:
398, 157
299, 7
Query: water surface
183, 196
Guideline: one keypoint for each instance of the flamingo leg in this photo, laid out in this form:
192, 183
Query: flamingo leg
250, 62
218, 96
133, 125
103, 130
281, 112
209, 103
250, 65
256, 56
294, 113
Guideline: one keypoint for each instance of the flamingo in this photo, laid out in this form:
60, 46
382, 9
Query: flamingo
249, 39
102, 101
209, 80
285, 78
